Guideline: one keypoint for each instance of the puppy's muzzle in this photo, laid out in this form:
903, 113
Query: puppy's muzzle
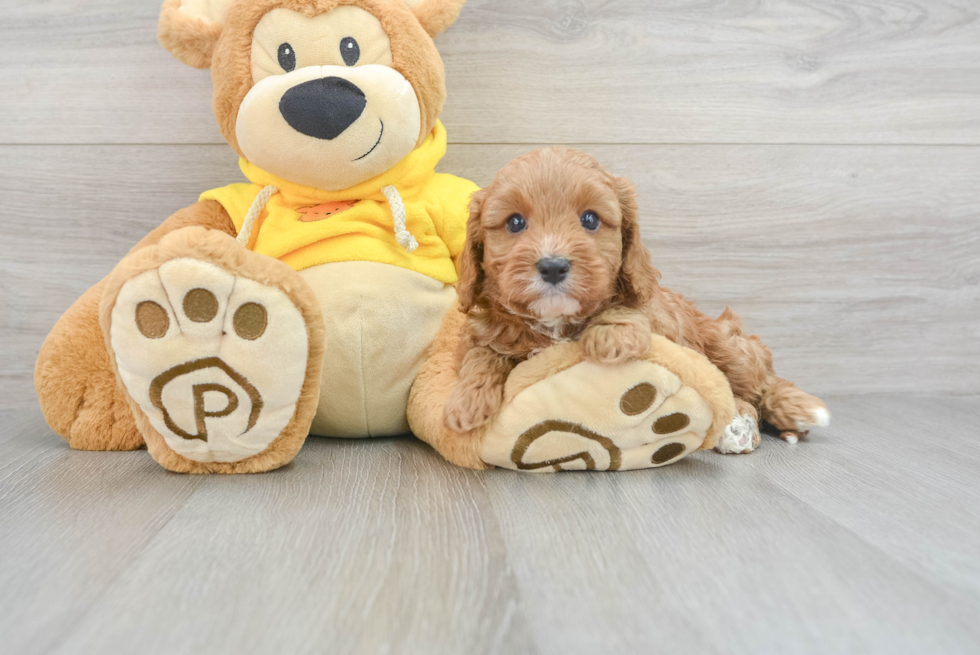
554, 270
324, 108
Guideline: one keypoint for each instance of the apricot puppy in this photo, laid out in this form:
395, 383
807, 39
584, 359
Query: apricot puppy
554, 254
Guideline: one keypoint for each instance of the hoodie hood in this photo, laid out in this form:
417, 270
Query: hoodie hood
304, 226
414, 170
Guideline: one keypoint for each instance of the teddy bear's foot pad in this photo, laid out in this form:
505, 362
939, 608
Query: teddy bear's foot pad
600, 418
217, 362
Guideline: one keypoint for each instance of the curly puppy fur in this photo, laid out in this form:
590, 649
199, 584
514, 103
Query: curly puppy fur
610, 298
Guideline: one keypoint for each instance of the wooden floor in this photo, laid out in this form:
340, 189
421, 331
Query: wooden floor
813, 163
864, 540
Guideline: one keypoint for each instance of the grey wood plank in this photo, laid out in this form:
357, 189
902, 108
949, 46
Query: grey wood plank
70, 524
862, 540
901, 474
770, 553
860, 266
786, 71
357, 547
17, 421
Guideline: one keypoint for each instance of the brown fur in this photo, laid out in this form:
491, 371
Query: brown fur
612, 303
188, 38
437, 379
227, 49
433, 384
437, 15
75, 383
213, 246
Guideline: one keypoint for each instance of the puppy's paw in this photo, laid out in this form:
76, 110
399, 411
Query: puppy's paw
814, 417
792, 436
617, 337
741, 437
472, 405
795, 413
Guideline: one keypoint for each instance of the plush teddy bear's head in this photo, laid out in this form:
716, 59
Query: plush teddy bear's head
323, 93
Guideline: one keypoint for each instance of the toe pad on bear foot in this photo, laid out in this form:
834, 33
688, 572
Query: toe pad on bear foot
192, 345
604, 418
214, 346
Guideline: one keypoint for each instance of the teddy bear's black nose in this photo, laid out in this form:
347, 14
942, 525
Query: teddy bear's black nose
323, 108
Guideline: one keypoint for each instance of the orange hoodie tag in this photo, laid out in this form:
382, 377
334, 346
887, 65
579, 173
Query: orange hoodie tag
324, 211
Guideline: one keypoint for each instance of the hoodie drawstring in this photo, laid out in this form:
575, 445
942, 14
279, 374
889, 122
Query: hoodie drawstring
405, 238
261, 200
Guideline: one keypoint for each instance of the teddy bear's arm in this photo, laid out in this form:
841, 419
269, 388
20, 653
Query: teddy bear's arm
77, 389
207, 213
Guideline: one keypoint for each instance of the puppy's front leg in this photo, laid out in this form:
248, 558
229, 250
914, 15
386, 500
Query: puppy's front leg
479, 391
616, 336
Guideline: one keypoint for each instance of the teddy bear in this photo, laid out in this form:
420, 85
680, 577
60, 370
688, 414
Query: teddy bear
318, 297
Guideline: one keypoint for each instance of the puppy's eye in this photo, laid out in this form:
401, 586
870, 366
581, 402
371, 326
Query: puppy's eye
350, 51
590, 221
287, 57
516, 223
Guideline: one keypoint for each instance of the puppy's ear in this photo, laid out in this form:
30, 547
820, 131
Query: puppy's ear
470, 286
436, 15
190, 28
638, 279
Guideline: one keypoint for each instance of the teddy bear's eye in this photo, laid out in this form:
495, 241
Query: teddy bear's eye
287, 57
350, 51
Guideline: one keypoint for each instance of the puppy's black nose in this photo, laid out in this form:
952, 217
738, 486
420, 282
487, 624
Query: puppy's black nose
554, 270
323, 108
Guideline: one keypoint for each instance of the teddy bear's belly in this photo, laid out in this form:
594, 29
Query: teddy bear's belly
380, 319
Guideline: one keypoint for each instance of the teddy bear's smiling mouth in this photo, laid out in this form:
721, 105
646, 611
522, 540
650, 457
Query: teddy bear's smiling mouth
376, 144
329, 134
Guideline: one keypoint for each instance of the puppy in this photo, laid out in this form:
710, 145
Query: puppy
554, 254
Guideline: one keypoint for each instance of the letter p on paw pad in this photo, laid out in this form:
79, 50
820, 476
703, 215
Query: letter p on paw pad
216, 363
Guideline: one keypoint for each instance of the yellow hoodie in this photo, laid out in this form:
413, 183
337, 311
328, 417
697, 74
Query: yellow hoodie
306, 227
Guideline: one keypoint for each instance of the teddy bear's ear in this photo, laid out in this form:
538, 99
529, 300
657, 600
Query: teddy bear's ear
436, 15
190, 28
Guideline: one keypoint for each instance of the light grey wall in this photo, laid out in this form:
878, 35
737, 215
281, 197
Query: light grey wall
816, 165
